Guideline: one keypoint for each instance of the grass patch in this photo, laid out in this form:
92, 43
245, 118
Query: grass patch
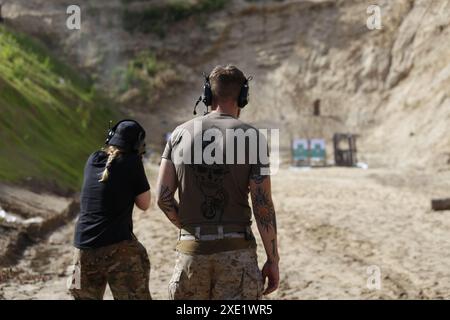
51, 118
156, 19
139, 72
145, 77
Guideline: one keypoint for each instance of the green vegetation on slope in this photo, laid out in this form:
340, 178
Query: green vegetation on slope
141, 80
139, 72
157, 18
51, 119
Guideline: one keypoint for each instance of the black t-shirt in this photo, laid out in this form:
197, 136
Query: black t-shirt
107, 207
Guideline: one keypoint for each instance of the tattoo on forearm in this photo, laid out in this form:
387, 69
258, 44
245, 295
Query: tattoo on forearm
263, 210
274, 248
174, 221
166, 200
257, 178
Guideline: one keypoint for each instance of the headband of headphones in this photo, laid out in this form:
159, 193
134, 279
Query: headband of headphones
118, 139
207, 96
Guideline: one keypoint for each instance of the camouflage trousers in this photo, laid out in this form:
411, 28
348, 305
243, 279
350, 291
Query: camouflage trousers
230, 275
124, 266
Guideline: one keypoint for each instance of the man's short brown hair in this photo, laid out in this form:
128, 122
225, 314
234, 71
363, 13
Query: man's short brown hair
226, 83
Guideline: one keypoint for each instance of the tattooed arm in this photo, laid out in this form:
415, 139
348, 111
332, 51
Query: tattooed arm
265, 217
165, 190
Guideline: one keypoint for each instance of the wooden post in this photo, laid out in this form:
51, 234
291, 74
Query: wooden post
316, 111
440, 204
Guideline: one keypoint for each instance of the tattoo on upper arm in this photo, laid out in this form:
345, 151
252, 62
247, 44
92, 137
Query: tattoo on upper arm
263, 209
166, 200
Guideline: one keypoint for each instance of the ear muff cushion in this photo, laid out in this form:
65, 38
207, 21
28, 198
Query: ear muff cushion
140, 140
243, 95
207, 93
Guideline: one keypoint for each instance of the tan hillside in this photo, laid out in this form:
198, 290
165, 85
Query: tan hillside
391, 86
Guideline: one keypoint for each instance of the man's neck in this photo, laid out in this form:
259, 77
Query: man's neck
228, 110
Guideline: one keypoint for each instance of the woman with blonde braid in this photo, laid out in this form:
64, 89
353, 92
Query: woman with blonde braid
106, 250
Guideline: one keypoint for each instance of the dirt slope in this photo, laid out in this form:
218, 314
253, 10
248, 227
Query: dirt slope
391, 86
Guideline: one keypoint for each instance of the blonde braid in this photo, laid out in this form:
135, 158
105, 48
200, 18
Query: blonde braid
113, 152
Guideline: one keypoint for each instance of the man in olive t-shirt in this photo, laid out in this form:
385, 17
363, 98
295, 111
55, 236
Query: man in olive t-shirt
215, 161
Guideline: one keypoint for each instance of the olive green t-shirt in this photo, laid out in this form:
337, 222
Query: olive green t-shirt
214, 157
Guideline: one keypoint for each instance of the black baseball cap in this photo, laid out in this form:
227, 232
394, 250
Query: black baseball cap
126, 134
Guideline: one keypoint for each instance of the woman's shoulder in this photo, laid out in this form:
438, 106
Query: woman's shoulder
97, 157
100, 157
129, 158
127, 162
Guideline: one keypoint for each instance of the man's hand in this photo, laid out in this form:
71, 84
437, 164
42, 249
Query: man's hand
267, 225
272, 273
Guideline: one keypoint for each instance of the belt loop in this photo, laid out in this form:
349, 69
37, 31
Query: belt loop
197, 233
179, 234
220, 232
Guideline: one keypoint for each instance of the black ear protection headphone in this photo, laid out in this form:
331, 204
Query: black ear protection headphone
138, 146
207, 96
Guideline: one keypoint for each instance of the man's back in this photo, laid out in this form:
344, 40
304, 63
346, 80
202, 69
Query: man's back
215, 193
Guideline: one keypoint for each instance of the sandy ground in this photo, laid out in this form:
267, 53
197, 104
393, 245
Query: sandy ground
333, 224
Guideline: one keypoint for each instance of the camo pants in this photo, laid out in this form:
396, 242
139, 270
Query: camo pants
230, 275
124, 266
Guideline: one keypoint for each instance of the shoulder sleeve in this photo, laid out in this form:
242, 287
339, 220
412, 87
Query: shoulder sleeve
172, 143
167, 153
89, 162
139, 178
262, 165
